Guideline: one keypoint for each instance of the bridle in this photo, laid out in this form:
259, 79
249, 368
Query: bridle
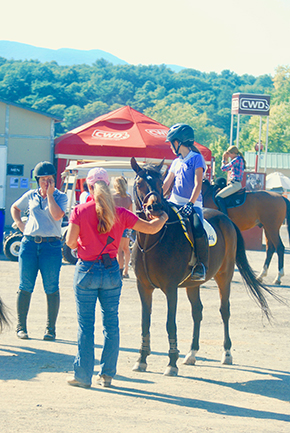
147, 178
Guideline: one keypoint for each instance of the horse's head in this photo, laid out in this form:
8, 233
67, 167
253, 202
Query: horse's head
148, 188
209, 189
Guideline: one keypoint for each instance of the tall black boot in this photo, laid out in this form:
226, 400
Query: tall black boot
201, 250
53, 301
221, 205
22, 306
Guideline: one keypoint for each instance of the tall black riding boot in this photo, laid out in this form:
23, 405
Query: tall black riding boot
201, 250
53, 301
221, 204
22, 306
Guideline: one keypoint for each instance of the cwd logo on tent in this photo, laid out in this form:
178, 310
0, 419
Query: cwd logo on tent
157, 133
106, 135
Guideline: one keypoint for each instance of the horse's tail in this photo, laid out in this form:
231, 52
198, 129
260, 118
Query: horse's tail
256, 288
3, 316
287, 216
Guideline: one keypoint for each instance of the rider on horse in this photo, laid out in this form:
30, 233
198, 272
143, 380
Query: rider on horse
187, 173
236, 168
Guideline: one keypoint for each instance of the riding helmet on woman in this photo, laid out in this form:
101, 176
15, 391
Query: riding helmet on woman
184, 134
44, 168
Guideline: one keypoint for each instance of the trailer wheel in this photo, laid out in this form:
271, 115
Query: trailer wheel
11, 246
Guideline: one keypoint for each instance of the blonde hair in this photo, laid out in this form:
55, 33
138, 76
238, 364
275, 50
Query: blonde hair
105, 206
120, 186
235, 150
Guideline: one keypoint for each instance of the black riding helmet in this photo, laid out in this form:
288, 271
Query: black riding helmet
44, 168
181, 132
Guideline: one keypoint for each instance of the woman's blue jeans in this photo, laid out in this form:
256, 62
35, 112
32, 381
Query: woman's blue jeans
92, 282
45, 257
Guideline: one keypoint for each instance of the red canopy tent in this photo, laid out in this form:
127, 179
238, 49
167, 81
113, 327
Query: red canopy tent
118, 135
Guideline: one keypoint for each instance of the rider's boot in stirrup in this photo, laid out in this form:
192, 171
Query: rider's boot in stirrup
198, 273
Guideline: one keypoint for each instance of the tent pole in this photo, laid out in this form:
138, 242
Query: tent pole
259, 151
238, 130
266, 147
232, 127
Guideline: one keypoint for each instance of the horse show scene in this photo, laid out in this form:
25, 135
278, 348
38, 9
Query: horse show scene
252, 394
144, 249
227, 338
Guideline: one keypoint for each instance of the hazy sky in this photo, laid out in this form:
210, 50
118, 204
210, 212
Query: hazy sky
245, 36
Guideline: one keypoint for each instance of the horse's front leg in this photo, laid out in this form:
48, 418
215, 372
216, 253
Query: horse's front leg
196, 312
146, 301
172, 369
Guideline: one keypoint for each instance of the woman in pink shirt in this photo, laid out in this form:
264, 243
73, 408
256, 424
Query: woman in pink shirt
95, 229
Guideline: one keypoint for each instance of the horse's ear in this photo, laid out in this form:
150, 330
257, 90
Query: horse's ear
159, 167
135, 166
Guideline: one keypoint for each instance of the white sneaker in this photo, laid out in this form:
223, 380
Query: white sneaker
22, 334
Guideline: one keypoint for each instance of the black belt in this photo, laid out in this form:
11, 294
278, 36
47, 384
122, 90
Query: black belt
39, 239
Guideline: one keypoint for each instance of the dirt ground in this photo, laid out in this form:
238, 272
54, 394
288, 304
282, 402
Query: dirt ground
251, 395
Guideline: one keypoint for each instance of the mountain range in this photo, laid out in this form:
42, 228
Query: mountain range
63, 56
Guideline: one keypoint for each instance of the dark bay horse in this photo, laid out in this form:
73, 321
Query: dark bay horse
3, 316
161, 261
263, 208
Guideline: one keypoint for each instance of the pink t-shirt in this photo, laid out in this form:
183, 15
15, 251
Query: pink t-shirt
90, 241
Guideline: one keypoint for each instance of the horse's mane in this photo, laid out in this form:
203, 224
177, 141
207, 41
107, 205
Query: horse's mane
149, 167
214, 187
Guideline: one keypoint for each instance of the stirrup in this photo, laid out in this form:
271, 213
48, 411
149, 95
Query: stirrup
198, 273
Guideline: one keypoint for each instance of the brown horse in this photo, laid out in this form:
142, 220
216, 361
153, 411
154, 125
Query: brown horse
260, 208
161, 261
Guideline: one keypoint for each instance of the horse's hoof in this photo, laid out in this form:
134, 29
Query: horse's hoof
171, 371
190, 358
277, 282
140, 366
227, 358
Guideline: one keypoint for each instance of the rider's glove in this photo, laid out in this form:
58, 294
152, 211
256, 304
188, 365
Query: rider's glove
187, 209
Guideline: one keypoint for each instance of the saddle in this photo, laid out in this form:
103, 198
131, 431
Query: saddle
187, 229
234, 200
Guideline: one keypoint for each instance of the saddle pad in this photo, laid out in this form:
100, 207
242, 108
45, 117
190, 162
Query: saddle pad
211, 233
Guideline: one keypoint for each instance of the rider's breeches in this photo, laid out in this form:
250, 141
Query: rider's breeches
233, 187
